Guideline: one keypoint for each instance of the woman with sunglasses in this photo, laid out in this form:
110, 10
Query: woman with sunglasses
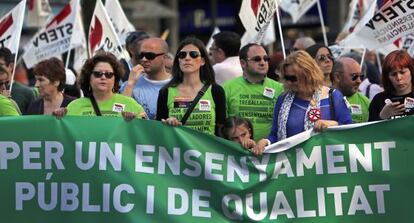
192, 72
99, 80
306, 103
325, 60
397, 99
50, 78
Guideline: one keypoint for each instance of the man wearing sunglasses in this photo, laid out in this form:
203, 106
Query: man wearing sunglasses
149, 76
132, 44
225, 53
347, 77
253, 95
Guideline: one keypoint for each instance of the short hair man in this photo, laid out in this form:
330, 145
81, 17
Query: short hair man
253, 95
132, 45
148, 77
224, 51
21, 94
347, 75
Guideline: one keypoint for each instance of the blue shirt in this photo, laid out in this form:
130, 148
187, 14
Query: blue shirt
145, 92
296, 119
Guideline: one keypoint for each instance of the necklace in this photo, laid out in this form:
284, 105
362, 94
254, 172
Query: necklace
312, 114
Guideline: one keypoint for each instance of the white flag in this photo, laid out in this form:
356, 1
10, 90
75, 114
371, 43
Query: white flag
79, 43
296, 8
391, 22
11, 27
121, 23
268, 37
102, 35
357, 10
54, 38
37, 12
408, 44
256, 17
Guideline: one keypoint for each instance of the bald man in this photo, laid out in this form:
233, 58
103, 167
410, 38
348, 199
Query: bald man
347, 76
149, 76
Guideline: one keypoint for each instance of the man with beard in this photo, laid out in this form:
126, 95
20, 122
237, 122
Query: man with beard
149, 76
253, 95
347, 77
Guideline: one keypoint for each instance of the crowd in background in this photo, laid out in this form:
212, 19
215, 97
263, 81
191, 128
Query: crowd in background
240, 93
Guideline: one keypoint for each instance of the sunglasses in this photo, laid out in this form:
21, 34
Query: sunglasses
99, 74
291, 78
149, 55
259, 58
183, 54
323, 58
355, 76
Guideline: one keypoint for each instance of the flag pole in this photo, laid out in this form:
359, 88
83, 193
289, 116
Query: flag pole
67, 59
363, 56
377, 55
15, 56
280, 31
325, 39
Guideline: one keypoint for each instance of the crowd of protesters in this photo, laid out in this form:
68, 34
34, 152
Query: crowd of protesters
225, 90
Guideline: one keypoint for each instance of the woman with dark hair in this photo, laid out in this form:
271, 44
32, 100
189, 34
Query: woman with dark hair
306, 103
397, 99
238, 130
325, 60
50, 81
192, 75
99, 80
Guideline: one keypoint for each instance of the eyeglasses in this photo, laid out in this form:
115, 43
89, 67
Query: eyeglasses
149, 55
323, 58
99, 74
183, 54
291, 78
259, 58
355, 76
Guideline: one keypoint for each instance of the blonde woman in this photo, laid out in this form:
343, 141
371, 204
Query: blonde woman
307, 102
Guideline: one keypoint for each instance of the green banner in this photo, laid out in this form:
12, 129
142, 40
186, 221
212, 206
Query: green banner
104, 169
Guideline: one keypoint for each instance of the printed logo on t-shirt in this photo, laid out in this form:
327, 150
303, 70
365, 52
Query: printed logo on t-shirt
356, 109
181, 102
118, 107
204, 105
269, 92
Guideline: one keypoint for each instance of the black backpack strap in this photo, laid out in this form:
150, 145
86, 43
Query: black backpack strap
95, 106
367, 91
331, 104
194, 103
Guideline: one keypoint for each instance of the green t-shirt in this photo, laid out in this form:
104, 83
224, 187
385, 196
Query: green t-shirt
203, 117
255, 102
358, 106
111, 107
6, 107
